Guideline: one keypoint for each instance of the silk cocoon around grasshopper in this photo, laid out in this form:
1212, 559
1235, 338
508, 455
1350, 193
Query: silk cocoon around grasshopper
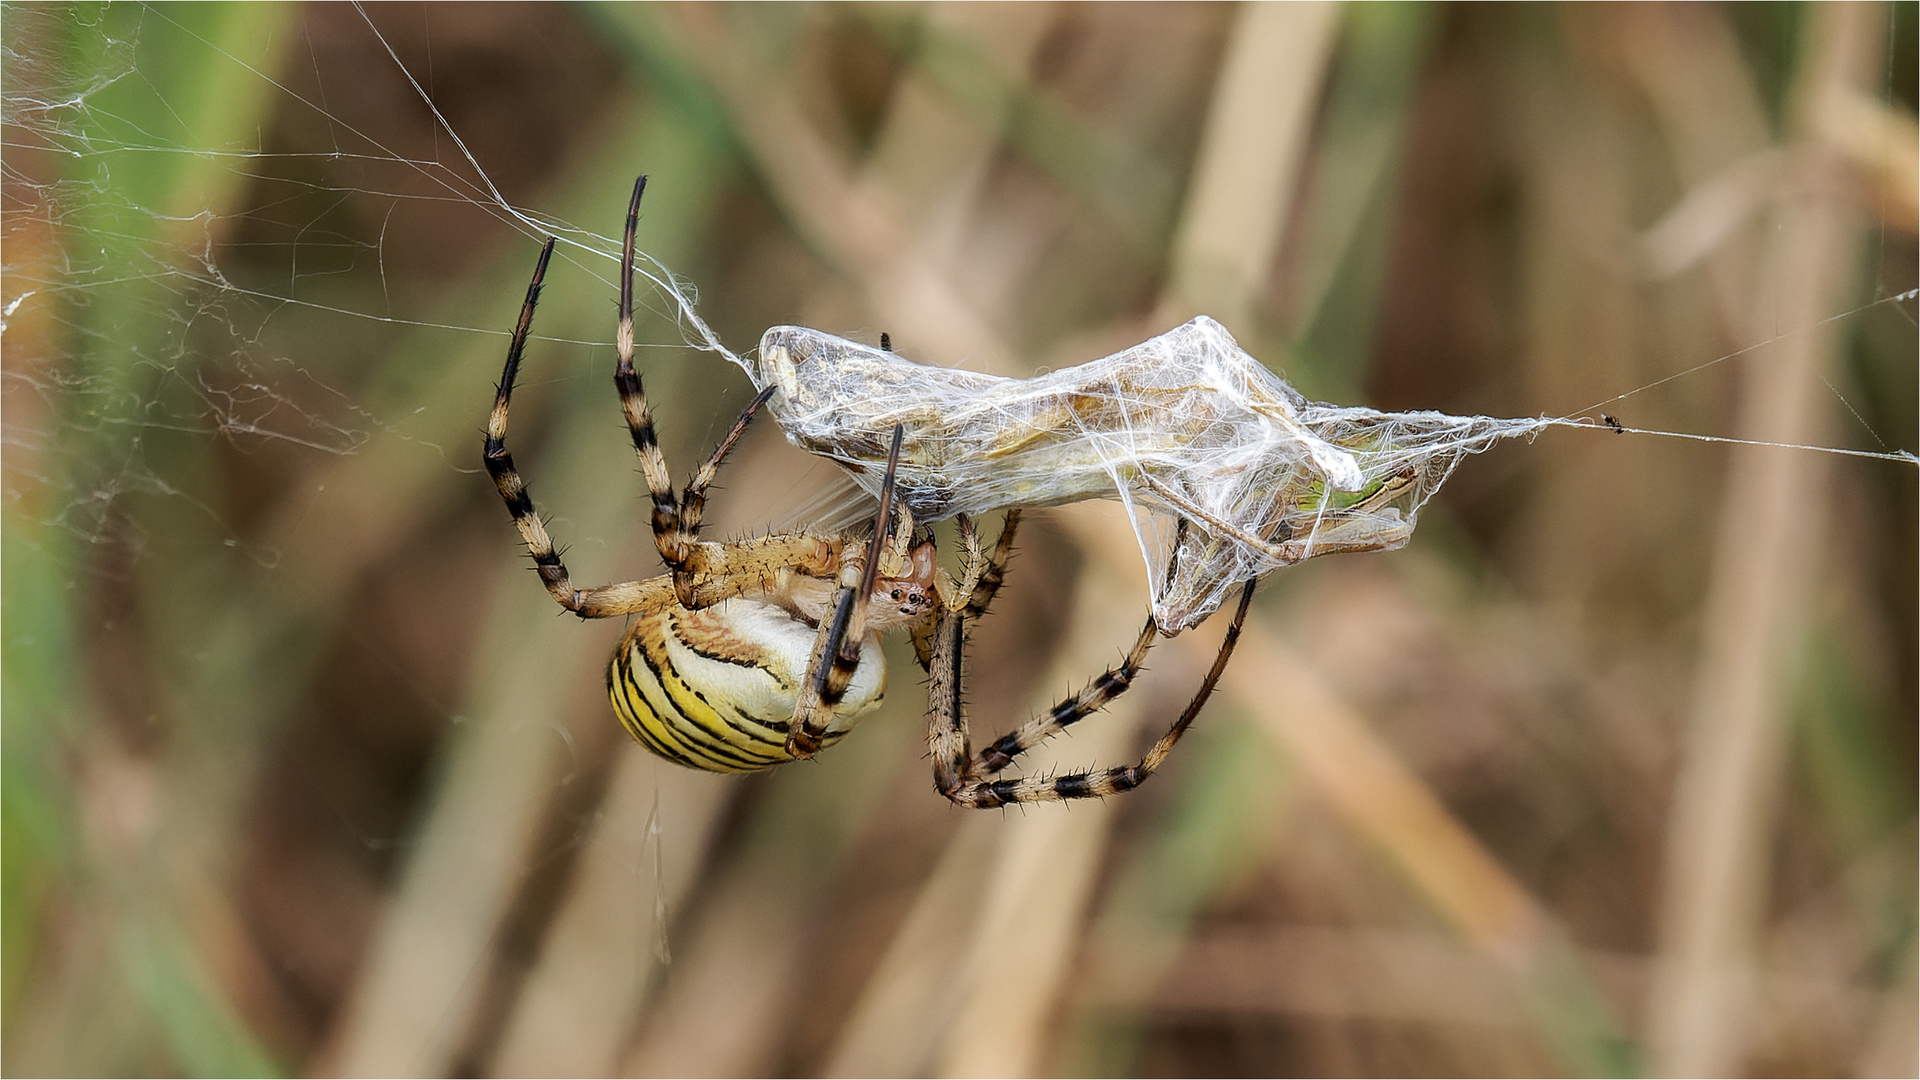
1183, 427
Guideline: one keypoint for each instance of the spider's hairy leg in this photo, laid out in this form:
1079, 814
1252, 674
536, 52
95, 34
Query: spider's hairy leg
849, 632
953, 766
723, 571
948, 742
819, 698
668, 535
693, 501
989, 576
837, 648
995, 571
513, 489
626, 598
676, 519
1109, 685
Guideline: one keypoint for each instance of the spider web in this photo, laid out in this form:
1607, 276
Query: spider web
217, 234
132, 315
149, 341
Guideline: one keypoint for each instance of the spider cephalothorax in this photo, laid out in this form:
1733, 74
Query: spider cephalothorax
751, 653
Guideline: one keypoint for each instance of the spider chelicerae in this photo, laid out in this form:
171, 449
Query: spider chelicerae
752, 653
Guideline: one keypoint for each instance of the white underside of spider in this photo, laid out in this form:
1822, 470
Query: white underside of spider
716, 688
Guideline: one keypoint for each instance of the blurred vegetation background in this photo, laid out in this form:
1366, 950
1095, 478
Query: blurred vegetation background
1612, 770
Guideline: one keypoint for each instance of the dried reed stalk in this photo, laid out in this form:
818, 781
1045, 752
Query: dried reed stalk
1385, 801
413, 1007
411, 1012
1715, 888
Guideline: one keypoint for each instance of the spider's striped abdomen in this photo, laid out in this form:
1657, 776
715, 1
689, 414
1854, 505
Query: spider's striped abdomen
715, 689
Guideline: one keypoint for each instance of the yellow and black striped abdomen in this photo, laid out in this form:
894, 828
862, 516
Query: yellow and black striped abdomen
715, 689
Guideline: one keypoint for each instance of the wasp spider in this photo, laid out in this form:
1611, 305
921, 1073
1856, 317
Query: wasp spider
752, 653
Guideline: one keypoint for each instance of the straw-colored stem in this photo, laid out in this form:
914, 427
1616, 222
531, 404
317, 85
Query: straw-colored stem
428, 965
1715, 888
598, 961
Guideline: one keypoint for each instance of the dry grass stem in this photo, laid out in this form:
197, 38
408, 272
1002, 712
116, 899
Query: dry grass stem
1249, 160
304, 773
601, 954
413, 1007
1726, 796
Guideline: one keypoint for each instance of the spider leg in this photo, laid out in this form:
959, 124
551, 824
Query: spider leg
669, 532
693, 500
836, 649
676, 519
1114, 682
506, 478
722, 572
992, 574
953, 766
715, 572
1103, 689
995, 572
626, 598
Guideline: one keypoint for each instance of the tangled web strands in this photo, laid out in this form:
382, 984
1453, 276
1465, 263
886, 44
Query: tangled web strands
1185, 427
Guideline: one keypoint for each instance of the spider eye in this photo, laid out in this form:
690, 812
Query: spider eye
896, 594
